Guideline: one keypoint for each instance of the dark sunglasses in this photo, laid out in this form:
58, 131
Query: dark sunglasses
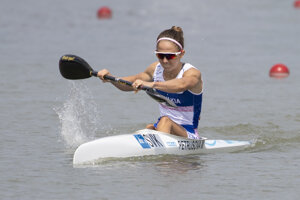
167, 55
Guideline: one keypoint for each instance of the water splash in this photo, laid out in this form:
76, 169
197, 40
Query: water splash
78, 115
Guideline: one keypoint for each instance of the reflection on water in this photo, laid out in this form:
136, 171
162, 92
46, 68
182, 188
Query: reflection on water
178, 164
165, 164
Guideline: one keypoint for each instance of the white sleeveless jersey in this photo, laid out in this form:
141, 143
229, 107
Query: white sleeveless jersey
189, 104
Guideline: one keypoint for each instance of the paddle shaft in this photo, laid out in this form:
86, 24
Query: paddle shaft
118, 80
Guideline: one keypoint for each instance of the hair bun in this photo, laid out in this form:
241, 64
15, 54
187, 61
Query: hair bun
177, 28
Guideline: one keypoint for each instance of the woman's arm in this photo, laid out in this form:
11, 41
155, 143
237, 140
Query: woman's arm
147, 75
191, 80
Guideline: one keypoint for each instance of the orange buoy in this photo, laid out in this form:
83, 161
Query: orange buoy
279, 71
104, 13
297, 4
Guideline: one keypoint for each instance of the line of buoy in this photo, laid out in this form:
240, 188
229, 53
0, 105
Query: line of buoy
276, 71
279, 71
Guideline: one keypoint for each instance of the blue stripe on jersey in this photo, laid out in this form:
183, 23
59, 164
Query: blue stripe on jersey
197, 109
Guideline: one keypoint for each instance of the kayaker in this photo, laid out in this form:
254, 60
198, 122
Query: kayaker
178, 81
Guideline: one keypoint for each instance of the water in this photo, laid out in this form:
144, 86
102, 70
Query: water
234, 43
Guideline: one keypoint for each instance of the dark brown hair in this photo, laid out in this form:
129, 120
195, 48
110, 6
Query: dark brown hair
175, 33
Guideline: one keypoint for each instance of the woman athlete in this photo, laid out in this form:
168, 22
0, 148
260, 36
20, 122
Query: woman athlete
178, 81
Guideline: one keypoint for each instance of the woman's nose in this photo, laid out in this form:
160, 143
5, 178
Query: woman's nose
165, 60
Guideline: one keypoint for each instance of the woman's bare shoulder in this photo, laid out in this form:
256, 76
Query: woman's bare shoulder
151, 68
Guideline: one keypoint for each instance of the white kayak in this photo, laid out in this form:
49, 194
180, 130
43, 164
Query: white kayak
150, 142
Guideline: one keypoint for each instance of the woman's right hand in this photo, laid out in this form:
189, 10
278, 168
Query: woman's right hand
102, 73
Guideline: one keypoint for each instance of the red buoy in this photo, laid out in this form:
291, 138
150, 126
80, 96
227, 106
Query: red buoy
297, 4
279, 71
104, 13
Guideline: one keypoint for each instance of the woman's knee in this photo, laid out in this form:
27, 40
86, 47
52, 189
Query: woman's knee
165, 119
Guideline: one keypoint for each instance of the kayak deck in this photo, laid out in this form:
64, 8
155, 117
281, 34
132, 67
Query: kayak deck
150, 142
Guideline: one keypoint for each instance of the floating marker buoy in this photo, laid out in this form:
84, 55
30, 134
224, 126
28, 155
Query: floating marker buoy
104, 13
279, 71
297, 4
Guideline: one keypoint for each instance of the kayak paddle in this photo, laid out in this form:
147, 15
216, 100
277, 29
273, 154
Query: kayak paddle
73, 67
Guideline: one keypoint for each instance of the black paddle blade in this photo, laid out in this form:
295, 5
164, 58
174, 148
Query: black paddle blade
73, 67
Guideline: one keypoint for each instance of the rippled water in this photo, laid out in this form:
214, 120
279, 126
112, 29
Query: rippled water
234, 43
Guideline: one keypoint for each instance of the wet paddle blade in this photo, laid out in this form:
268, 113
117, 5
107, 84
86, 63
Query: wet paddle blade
73, 67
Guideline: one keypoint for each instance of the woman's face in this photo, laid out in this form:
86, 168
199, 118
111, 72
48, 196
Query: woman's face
169, 47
